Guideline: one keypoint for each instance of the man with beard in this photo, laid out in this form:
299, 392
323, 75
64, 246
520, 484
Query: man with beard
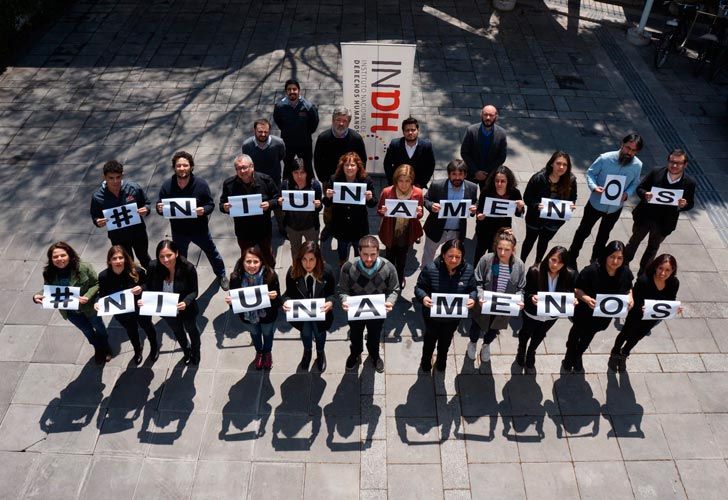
410, 149
184, 184
297, 118
484, 146
622, 162
438, 230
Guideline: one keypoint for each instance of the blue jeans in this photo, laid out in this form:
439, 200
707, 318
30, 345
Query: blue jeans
93, 329
204, 241
311, 331
343, 248
262, 334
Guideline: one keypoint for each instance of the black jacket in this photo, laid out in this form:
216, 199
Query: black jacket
326, 288
300, 221
470, 150
196, 188
254, 226
423, 161
329, 149
512, 194
130, 192
434, 226
665, 215
350, 222
532, 288
271, 313
434, 278
539, 187
110, 282
185, 281
296, 123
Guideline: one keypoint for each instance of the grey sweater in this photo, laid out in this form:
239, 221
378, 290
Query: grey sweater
354, 282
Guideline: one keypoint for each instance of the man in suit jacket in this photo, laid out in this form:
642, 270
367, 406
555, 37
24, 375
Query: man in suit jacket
455, 187
484, 146
412, 150
659, 220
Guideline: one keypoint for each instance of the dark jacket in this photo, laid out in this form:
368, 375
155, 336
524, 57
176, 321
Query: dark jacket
254, 226
326, 288
539, 187
471, 153
423, 161
110, 282
271, 313
434, 278
644, 288
300, 221
350, 222
329, 149
196, 188
269, 160
594, 279
512, 194
532, 288
664, 215
296, 123
386, 229
434, 226
185, 282
130, 192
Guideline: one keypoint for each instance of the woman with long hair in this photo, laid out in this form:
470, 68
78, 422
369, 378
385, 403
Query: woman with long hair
557, 182
252, 270
172, 273
309, 277
399, 234
301, 226
65, 268
120, 274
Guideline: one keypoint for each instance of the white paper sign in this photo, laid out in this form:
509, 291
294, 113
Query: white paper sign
449, 305
250, 298
363, 307
495, 207
454, 209
661, 309
116, 303
555, 209
350, 193
298, 201
555, 304
245, 205
613, 189
406, 209
662, 196
159, 304
61, 297
306, 310
611, 306
179, 208
123, 216
501, 304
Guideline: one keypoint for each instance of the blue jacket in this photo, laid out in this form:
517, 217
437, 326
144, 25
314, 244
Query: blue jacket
130, 192
608, 164
434, 278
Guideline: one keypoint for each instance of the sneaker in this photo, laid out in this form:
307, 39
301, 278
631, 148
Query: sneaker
258, 360
224, 282
352, 361
267, 361
485, 353
472, 346
378, 365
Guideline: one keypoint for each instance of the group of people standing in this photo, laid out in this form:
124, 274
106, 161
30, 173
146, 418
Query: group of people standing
272, 166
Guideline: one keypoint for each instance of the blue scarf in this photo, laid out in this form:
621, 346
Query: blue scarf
369, 272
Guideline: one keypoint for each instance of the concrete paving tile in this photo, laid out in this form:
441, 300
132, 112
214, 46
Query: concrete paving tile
539, 439
550, 481
404, 357
229, 436
703, 478
221, 480
187, 390
655, 479
71, 429
715, 362
14, 471
576, 394
10, 373
664, 386
414, 481
719, 328
410, 396
410, 434
626, 394
681, 363
605, 480
41, 383
20, 429
689, 437
372, 474
277, 480
590, 440
123, 433
480, 395
57, 475
111, 477
718, 423
175, 435
238, 392
482, 444
331, 481
59, 344
165, 479
134, 387
497, 480
18, 342
711, 389
640, 437
691, 335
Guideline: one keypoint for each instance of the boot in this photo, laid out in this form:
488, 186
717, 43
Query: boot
305, 360
258, 360
521, 355
530, 360
321, 361
186, 355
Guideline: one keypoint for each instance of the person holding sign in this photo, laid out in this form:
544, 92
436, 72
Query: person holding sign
448, 274
115, 193
301, 225
664, 193
309, 277
554, 182
500, 189
251, 270
251, 229
500, 272
65, 268
350, 221
659, 282
401, 227
552, 275
171, 272
121, 274
184, 184
368, 274
608, 275
612, 178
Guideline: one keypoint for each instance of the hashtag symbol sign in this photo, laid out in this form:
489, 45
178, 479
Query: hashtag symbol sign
121, 217
61, 296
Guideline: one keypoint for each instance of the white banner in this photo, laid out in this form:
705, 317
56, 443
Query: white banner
613, 189
377, 87
350, 193
501, 304
555, 304
661, 309
159, 304
123, 216
662, 196
449, 305
363, 307
306, 310
61, 297
250, 298
454, 209
298, 201
495, 207
245, 205
406, 209
555, 209
179, 208
116, 303
611, 306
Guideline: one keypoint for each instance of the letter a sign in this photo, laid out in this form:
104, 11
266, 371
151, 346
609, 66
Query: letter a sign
406, 209
363, 307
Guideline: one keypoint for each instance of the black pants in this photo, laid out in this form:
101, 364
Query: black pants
303, 151
591, 216
639, 231
632, 332
374, 334
131, 323
438, 333
484, 235
535, 331
543, 235
398, 257
137, 245
264, 242
580, 336
182, 326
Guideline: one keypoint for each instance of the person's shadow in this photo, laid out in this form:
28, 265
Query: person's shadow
129, 393
239, 398
298, 398
623, 407
410, 413
340, 415
76, 404
573, 407
522, 398
404, 314
477, 399
182, 383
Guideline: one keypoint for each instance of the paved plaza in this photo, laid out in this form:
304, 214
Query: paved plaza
137, 80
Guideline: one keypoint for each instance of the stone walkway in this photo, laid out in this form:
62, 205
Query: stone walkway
137, 80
